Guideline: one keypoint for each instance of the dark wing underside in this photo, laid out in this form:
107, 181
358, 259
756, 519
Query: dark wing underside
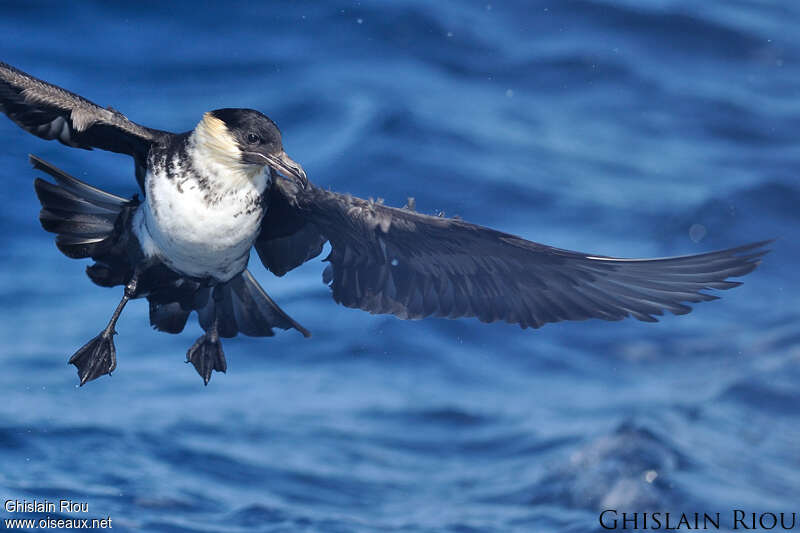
287, 239
51, 112
388, 260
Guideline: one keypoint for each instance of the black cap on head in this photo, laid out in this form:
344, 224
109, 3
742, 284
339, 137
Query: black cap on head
252, 130
259, 141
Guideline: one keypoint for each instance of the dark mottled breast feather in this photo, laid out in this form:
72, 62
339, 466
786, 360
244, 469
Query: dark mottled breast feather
389, 260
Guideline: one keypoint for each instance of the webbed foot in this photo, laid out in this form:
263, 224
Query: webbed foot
96, 357
206, 355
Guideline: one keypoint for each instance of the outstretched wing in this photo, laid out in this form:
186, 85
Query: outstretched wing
51, 112
388, 260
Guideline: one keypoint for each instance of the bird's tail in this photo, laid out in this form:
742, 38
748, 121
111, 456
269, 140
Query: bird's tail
242, 306
239, 305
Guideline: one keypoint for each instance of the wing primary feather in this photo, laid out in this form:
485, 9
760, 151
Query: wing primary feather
387, 260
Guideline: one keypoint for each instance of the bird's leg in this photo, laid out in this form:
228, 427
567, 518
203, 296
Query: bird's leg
98, 356
206, 353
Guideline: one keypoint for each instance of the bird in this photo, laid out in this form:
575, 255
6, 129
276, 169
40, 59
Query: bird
211, 194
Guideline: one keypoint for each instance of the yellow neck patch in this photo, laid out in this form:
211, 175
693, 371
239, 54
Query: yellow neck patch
213, 136
214, 141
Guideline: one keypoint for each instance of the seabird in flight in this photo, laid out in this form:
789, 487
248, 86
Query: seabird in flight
212, 193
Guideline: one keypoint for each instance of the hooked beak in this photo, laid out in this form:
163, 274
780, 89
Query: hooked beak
288, 167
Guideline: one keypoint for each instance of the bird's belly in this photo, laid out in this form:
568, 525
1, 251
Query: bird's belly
199, 234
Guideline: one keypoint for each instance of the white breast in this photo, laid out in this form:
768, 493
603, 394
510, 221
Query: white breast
198, 230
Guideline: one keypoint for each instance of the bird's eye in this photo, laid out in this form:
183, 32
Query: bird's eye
252, 138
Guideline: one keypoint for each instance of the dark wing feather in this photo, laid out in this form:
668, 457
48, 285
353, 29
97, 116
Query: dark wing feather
51, 112
89, 222
388, 260
287, 238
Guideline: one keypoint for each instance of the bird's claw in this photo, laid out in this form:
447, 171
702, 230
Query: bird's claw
95, 358
206, 355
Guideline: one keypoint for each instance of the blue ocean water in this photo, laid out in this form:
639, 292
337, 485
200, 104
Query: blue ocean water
608, 126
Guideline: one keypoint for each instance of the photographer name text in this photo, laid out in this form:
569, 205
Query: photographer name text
670, 521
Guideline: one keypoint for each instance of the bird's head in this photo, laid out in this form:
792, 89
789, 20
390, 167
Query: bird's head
249, 138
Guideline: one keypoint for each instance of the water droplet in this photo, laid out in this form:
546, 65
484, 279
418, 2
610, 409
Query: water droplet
650, 476
697, 232
395, 262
